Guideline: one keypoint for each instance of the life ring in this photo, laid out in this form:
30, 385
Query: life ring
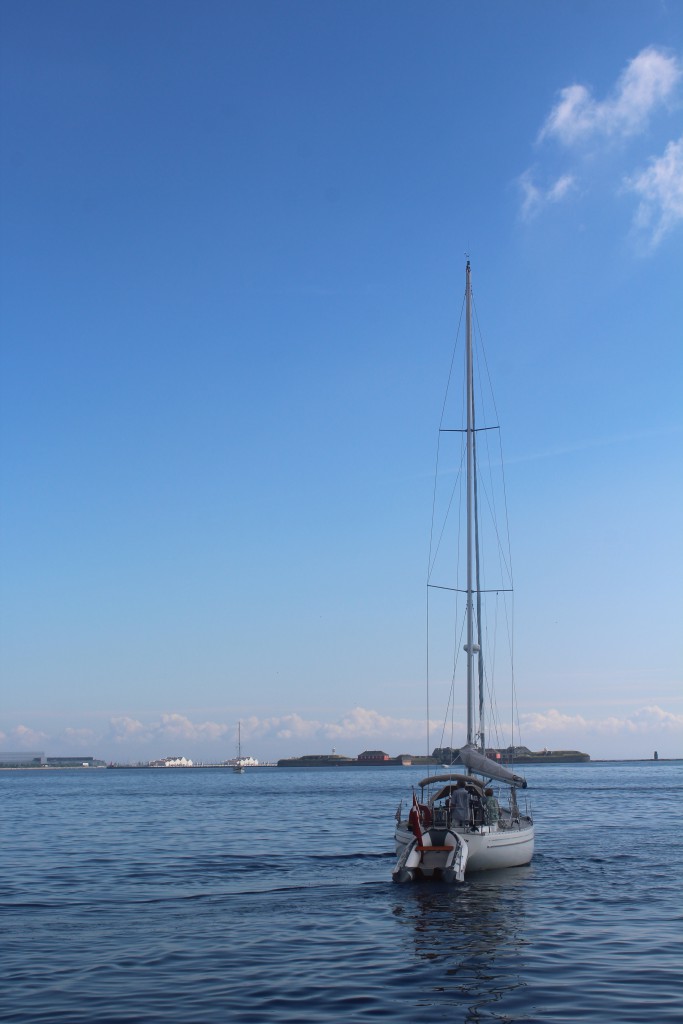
425, 815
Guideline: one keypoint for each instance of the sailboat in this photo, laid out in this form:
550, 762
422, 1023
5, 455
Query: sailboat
456, 825
238, 765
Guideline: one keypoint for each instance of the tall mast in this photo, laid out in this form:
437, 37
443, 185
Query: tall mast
470, 506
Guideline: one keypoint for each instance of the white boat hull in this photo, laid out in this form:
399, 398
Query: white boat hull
489, 848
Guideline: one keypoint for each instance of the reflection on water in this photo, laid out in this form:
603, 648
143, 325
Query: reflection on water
470, 935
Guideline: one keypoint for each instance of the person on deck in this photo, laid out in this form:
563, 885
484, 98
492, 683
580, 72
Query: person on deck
460, 804
492, 807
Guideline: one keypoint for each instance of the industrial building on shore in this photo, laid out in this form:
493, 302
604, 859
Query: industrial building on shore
37, 759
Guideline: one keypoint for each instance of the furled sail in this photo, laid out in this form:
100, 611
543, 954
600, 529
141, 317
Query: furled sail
478, 762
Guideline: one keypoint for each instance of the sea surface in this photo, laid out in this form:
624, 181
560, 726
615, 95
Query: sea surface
199, 895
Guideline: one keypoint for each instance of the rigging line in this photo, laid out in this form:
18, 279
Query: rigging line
438, 444
514, 711
483, 352
482, 664
503, 556
461, 505
427, 670
494, 708
490, 675
505, 505
494, 727
462, 590
495, 640
457, 643
490, 495
436, 476
450, 369
456, 653
480, 639
432, 562
450, 706
456, 659
493, 399
509, 624
504, 551
431, 529
514, 679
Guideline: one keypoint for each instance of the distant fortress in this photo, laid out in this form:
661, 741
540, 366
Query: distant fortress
517, 755
441, 755
366, 759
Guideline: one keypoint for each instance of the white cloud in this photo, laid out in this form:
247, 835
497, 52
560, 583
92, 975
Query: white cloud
180, 727
660, 187
122, 729
284, 727
562, 186
77, 735
363, 722
26, 739
648, 81
357, 723
535, 197
284, 735
584, 124
650, 719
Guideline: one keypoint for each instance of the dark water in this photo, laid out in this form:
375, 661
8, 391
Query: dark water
203, 896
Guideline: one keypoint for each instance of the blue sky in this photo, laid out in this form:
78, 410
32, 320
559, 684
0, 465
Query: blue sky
233, 242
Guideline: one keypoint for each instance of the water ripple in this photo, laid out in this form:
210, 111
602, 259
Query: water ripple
132, 897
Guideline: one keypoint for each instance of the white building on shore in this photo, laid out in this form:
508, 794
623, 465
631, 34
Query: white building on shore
171, 762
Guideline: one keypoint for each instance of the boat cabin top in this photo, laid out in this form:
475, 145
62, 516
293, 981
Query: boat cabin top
473, 785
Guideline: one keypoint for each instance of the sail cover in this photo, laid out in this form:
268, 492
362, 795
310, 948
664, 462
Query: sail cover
478, 762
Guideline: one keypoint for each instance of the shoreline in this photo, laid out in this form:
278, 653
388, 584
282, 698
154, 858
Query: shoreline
256, 767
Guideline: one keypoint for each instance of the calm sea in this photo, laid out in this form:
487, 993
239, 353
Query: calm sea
199, 895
